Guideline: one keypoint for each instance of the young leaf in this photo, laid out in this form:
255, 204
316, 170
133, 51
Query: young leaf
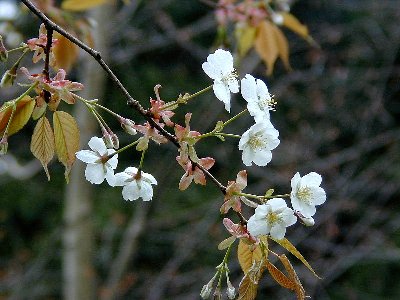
283, 47
66, 136
247, 255
42, 143
21, 116
226, 243
285, 243
247, 289
80, 5
266, 46
279, 277
298, 287
245, 36
294, 24
65, 52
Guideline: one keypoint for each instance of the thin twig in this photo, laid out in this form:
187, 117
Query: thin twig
130, 100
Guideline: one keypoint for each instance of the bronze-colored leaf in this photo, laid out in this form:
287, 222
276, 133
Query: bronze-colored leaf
248, 254
245, 36
298, 287
266, 45
66, 136
23, 112
80, 5
42, 143
279, 277
285, 243
65, 52
283, 47
247, 289
294, 24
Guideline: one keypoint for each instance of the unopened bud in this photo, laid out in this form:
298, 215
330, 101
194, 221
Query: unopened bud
277, 18
107, 139
307, 221
3, 51
3, 145
217, 293
206, 291
207, 288
115, 141
127, 126
230, 290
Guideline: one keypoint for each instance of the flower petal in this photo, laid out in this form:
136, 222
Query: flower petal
278, 232
131, 191
311, 179
94, 173
87, 156
97, 144
146, 191
223, 93
249, 88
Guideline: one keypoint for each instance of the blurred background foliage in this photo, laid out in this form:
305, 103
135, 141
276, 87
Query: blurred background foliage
337, 114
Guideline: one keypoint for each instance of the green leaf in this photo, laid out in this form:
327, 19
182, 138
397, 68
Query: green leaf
226, 243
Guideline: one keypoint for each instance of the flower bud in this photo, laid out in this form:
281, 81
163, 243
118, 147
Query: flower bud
3, 51
230, 290
307, 221
127, 126
115, 140
107, 139
217, 293
206, 291
3, 145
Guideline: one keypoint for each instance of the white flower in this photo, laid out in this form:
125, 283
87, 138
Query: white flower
99, 166
306, 193
259, 101
135, 185
219, 66
257, 143
271, 218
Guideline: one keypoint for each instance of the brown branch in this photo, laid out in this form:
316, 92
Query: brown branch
47, 51
50, 25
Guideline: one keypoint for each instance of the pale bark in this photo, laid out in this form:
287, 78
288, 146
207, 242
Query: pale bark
78, 270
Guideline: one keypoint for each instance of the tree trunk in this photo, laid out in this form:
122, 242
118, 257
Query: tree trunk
78, 270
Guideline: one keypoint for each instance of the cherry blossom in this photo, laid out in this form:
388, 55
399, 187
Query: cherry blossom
232, 199
271, 218
136, 184
238, 231
100, 165
59, 87
257, 143
219, 67
259, 101
39, 44
193, 172
307, 193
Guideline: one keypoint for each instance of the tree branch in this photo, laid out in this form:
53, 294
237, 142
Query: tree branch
50, 25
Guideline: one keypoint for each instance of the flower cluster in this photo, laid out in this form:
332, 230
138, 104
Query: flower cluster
271, 217
274, 216
101, 163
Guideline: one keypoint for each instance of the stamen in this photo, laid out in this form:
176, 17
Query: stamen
257, 141
304, 194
